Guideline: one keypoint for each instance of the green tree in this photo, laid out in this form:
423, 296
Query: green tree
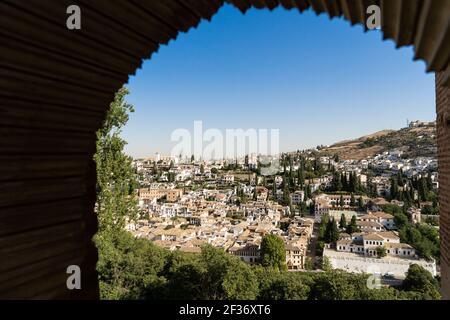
400, 220
420, 280
352, 200
429, 182
344, 181
336, 158
422, 189
336, 183
183, 274
301, 176
326, 264
273, 252
353, 182
381, 252
212, 274
308, 192
424, 238
333, 285
360, 203
128, 267
116, 177
352, 227
286, 195
343, 222
274, 190
309, 263
123, 268
283, 286
332, 232
394, 188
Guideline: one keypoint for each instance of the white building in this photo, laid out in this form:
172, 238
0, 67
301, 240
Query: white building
368, 245
297, 197
385, 219
248, 253
390, 265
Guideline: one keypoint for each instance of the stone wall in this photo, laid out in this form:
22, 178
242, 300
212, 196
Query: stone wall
352, 262
443, 132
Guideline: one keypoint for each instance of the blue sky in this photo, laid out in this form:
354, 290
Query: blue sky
317, 80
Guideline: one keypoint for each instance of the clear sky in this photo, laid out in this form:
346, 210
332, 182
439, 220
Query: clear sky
317, 80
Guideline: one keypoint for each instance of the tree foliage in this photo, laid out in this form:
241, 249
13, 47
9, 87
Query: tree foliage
331, 232
424, 238
273, 252
352, 227
283, 285
421, 281
116, 177
343, 222
133, 268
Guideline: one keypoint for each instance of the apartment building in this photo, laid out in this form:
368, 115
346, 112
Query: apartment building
297, 197
368, 244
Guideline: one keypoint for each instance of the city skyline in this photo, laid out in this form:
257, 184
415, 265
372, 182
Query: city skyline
229, 81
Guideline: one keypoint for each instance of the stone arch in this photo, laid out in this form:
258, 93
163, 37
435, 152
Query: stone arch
56, 85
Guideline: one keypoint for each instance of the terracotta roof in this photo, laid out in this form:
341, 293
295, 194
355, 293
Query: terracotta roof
344, 242
368, 216
398, 246
383, 215
369, 224
373, 236
388, 234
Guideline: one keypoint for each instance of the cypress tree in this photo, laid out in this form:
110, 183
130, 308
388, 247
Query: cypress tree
352, 200
352, 227
423, 192
429, 182
394, 188
351, 183
341, 201
360, 203
332, 231
308, 191
343, 222
274, 189
344, 181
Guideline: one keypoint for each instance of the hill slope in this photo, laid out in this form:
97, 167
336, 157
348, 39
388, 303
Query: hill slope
413, 141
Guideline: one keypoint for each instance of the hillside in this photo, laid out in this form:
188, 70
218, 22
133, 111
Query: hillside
413, 141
